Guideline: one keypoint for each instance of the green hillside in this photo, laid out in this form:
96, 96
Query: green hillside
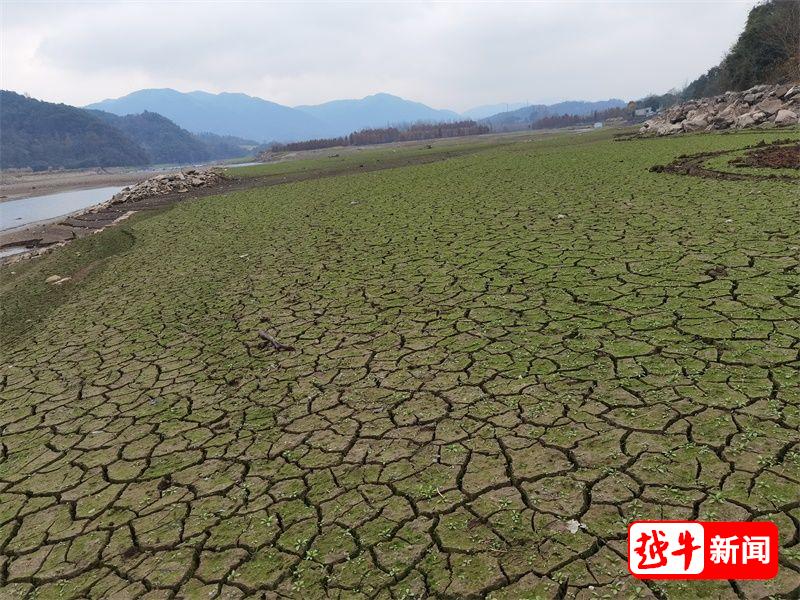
42, 134
767, 51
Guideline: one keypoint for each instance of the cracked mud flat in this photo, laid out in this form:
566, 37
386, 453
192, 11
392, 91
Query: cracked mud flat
471, 356
43, 235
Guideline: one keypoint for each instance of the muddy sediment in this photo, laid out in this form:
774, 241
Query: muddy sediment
780, 154
771, 157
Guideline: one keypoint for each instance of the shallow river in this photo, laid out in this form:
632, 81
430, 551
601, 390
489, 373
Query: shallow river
16, 213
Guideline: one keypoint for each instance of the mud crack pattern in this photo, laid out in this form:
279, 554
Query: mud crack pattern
496, 363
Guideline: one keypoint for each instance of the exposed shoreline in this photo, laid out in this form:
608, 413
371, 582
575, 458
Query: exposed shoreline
21, 184
40, 236
43, 236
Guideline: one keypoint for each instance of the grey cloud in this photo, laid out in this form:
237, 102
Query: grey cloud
453, 55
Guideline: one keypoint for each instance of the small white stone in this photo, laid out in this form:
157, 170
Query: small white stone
573, 525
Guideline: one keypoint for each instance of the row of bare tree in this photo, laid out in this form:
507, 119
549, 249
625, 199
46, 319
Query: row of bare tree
366, 137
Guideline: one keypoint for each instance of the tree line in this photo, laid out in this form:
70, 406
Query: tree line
565, 120
370, 136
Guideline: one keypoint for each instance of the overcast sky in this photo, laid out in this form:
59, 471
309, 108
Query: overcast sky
449, 55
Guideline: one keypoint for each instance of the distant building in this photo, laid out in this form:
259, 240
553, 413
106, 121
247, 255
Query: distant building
644, 112
598, 125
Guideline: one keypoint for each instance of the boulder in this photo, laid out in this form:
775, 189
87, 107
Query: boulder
779, 91
745, 120
670, 128
770, 106
695, 124
169, 184
791, 92
749, 108
785, 117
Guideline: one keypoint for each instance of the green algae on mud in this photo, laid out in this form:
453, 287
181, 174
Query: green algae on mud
26, 297
486, 348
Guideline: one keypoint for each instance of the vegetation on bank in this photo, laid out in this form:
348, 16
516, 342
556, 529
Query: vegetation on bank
767, 51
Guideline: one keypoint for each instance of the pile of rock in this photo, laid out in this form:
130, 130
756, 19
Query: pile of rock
778, 105
169, 183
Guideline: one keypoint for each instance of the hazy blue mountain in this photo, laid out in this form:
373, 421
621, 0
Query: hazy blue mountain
40, 135
223, 114
523, 117
487, 110
378, 110
253, 118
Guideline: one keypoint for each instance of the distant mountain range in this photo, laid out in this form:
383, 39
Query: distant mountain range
379, 110
164, 126
523, 117
224, 114
487, 110
41, 135
254, 118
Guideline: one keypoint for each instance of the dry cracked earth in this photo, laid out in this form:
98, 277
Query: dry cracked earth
454, 380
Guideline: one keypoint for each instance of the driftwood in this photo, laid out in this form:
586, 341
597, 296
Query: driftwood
273, 342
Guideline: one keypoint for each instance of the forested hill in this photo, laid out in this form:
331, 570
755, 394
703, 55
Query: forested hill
767, 51
163, 141
41, 135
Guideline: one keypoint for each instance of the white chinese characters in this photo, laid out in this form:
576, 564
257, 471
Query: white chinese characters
731, 550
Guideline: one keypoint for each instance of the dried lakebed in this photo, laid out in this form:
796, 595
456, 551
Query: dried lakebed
40, 236
460, 379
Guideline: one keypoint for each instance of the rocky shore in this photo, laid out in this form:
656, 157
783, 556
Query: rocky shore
169, 183
761, 105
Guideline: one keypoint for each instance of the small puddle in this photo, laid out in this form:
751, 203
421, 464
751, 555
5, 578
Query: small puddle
18, 213
247, 164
